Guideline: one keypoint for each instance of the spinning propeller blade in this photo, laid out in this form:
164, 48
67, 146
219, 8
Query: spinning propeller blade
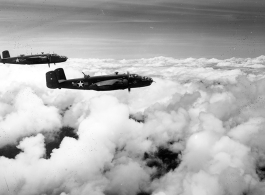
49, 59
128, 76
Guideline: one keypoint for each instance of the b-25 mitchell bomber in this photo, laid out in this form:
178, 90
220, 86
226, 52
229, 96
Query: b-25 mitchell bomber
32, 59
56, 79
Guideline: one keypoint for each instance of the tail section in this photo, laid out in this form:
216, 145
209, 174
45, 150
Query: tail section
6, 54
60, 74
51, 80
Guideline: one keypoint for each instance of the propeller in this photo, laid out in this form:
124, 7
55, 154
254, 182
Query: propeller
49, 59
128, 76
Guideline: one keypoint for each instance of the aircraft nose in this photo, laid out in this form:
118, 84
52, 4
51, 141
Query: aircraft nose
148, 79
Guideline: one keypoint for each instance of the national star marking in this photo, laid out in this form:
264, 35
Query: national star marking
80, 84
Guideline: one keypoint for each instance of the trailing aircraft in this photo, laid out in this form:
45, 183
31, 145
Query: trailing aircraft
56, 79
32, 59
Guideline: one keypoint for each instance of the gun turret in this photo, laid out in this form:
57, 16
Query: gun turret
85, 76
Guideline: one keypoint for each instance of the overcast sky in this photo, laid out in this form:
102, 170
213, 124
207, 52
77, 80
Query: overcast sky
134, 29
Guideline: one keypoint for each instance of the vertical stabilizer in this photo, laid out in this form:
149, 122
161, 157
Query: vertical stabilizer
51, 80
60, 74
6, 54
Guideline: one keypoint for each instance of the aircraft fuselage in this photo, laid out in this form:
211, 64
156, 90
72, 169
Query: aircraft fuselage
103, 83
98, 83
35, 59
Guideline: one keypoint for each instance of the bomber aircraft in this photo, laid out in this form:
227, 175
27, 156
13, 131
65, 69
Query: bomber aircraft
56, 79
32, 59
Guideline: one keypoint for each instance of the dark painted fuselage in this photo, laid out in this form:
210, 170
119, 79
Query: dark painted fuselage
98, 83
105, 83
35, 59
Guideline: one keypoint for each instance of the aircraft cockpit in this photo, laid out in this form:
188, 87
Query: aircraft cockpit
142, 78
134, 76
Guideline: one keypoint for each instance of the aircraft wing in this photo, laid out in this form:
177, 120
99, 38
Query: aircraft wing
107, 82
36, 58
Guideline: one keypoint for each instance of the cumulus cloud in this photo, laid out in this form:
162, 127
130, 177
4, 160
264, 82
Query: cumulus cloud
197, 130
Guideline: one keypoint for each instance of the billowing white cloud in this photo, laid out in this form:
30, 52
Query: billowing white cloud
206, 115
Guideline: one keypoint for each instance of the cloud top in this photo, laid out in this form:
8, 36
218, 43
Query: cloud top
197, 130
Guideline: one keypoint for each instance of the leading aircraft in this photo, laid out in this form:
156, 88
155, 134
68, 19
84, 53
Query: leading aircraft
32, 59
56, 79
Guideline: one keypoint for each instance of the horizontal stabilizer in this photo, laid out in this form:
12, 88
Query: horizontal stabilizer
61, 81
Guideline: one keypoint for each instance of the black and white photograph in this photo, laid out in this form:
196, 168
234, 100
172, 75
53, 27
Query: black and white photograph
132, 97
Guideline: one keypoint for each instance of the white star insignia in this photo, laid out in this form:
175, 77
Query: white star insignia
17, 60
80, 84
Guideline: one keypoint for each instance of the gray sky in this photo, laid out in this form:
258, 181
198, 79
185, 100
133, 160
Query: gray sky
134, 29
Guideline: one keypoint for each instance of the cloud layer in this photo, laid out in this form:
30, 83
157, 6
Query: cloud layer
197, 130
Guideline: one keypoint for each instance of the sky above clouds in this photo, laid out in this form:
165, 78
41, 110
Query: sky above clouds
134, 29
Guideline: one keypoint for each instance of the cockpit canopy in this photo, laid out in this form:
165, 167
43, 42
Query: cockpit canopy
134, 76
142, 78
